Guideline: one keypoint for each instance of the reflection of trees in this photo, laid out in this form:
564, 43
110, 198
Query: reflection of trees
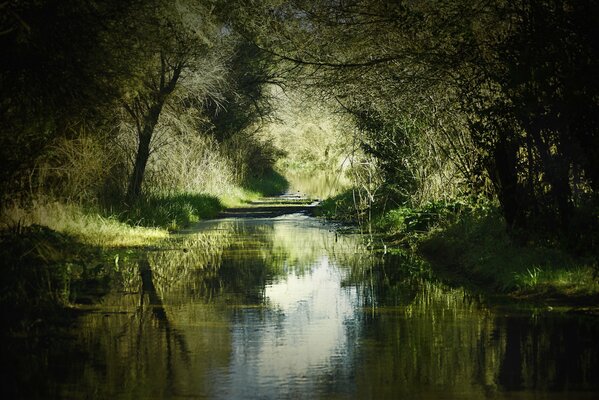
148, 340
170, 324
438, 342
423, 334
173, 338
544, 352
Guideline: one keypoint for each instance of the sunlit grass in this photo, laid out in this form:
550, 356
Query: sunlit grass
237, 197
575, 281
87, 227
171, 211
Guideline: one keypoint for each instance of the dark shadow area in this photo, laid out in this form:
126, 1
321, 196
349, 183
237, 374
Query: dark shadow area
270, 183
41, 272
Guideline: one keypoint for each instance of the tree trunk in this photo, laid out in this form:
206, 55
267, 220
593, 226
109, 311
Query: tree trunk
145, 130
143, 151
503, 173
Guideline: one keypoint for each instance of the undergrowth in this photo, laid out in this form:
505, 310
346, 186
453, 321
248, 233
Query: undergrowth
467, 241
171, 211
478, 248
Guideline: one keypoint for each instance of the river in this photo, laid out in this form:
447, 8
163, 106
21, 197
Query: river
287, 308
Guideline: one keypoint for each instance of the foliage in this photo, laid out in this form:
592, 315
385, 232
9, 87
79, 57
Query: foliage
477, 248
251, 156
171, 211
269, 184
424, 218
79, 170
54, 79
340, 207
459, 97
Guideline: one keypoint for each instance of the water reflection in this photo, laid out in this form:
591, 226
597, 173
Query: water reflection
299, 341
286, 308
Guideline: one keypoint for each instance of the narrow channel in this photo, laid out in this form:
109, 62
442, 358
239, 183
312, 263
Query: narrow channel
271, 303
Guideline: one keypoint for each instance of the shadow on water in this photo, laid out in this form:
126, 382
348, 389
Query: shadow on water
287, 308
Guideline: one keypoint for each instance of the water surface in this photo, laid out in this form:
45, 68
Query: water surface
287, 308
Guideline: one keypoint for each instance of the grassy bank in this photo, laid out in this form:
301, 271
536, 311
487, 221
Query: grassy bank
475, 248
467, 243
89, 226
52, 251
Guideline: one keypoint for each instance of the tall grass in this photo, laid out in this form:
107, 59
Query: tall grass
171, 211
86, 225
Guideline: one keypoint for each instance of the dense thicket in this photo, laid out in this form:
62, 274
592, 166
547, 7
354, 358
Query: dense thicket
100, 97
48, 76
461, 97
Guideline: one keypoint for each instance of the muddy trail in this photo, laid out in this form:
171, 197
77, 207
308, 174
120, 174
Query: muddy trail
271, 207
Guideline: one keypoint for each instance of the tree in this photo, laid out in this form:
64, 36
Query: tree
518, 78
178, 39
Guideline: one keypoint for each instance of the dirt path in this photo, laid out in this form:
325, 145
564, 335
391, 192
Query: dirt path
270, 207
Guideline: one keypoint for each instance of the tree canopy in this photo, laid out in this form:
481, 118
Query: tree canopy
451, 98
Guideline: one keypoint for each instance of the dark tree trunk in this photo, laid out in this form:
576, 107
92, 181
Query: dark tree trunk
504, 174
146, 121
143, 151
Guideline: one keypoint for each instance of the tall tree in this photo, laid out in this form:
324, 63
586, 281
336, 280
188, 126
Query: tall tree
177, 42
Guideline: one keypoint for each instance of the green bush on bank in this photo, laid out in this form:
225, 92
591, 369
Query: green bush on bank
340, 207
171, 211
477, 248
467, 241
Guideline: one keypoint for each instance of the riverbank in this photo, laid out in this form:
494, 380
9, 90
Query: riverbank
53, 251
468, 244
476, 248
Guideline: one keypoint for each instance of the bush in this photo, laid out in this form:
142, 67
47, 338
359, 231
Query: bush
76, 170
340, 207
172, 211
477, 247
